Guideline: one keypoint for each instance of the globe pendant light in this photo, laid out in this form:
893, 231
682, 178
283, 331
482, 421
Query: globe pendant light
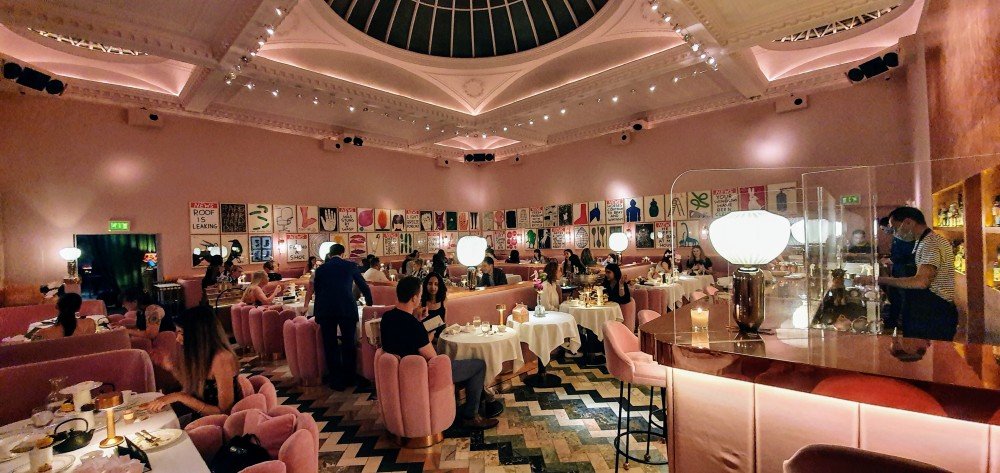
471, 251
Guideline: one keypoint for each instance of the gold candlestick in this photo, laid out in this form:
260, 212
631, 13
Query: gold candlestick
108, 402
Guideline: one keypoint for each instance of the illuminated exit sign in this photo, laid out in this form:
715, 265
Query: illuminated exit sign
850, 199
119, 225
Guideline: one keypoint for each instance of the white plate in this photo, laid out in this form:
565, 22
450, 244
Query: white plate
88, 385
59, 463
167, 438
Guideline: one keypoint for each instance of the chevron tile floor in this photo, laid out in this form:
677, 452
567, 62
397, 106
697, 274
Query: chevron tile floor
569, 428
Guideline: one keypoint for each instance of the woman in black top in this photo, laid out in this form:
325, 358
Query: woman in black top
514, 257
439, 263
587, 258
432, 298
616, 285
698, 263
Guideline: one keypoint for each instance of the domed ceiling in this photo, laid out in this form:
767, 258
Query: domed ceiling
466, 28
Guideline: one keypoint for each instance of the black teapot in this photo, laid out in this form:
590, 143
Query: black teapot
71, 439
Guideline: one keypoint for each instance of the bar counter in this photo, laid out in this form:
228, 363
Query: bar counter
740, 402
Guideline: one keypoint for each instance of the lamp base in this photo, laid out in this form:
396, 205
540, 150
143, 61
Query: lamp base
747, 306
472, 279
112, 441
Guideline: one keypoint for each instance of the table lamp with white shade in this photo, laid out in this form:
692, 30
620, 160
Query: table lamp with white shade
71, 254
749, 239
471, 251
618, 242
324, 249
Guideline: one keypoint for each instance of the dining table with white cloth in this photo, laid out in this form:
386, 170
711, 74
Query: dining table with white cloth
593, 317
547, 332
695, 283
494, 349
181, 456
662, 298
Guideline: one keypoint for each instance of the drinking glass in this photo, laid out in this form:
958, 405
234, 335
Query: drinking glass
476, 321
485, 328
56, 384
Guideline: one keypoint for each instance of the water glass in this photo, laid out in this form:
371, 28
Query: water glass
485, 328
476, 321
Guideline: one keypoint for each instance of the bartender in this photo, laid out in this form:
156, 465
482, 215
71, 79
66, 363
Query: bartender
929, 308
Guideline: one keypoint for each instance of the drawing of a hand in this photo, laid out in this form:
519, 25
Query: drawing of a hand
329, 219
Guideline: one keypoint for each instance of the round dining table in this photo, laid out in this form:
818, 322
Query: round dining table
543, 334
182, 455
692, 284
592, 318
662, 297
494, 349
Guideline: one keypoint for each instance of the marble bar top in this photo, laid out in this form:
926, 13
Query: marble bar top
963, 378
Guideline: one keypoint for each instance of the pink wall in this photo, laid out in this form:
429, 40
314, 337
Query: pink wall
863, 124
70, 166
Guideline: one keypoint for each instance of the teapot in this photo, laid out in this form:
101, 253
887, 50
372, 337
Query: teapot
72, 439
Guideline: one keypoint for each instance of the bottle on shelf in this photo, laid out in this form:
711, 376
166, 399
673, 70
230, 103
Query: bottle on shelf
961, 212
996, 273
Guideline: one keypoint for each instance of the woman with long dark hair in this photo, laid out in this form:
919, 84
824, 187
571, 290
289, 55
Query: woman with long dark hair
698, 263
206, 367
550, 286
587, 257
616, 285
439, 263
537, 257
433, 295
514, 257
666, 264
67, 324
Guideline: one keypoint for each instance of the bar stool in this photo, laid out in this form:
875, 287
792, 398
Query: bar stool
631, 366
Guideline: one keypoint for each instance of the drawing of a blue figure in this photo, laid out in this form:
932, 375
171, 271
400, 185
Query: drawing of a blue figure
633, 213
595, 214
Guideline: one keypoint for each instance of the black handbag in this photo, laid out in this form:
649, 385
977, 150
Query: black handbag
238, 453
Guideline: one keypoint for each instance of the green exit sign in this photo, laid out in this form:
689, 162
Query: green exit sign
850, 199
119, 225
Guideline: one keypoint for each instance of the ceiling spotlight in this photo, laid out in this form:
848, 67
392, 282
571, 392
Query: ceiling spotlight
614, 99
229, 81
274, 92
531, 122
702, 56
315, 100
484, 135
277, 11
253, 53
687, 37
350, 108
260, 41
504, 128
655, 6
562, 111
652, 88
270, 30
695, 47
250, 85
545, 117
428, 128
677, 79
711, 61
678, 29
599, 99
667, 17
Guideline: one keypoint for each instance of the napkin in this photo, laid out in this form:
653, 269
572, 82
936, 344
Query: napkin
114, 464
454, 328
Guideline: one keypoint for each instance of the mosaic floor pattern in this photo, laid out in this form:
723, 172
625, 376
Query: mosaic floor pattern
569, 428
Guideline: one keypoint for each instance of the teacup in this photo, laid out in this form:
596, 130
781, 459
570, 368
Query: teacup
41, 456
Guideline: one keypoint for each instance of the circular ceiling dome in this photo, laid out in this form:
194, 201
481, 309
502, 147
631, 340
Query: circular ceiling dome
466, 28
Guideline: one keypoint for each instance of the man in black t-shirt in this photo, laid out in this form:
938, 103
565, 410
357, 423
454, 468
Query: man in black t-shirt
403, 334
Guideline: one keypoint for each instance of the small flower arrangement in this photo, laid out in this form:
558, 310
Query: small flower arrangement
538, 281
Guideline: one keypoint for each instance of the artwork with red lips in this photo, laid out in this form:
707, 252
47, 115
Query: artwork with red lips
358, 245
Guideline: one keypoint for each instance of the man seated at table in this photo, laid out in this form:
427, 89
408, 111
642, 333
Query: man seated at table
492, 276
374, 273
272, 274
403, 335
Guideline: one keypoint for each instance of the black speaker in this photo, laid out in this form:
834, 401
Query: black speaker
11, 70
55, 87
873, 67
33, 79
891, 59
358, 141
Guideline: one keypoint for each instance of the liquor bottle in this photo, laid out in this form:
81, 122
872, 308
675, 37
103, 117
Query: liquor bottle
996, 274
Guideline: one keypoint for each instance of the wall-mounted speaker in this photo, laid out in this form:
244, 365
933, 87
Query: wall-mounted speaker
873, 67
443, 162
621, 138
144, 117
480, 157
33, 79
791, 103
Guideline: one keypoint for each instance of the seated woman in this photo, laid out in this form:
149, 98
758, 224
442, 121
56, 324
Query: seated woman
150, 319
432, 300
255, 296
550, 286
616, 285
67, 325
698, 263
374, 273
538, 258
231, 272
514, 257
572, 264
587, 258
270, 267
207, 369
213, 273
439, 263
417, 268
666, 264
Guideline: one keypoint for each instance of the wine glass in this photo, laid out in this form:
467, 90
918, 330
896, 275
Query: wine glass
485, 328
476, 321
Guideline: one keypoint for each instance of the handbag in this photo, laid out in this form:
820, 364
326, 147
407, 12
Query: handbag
240, 452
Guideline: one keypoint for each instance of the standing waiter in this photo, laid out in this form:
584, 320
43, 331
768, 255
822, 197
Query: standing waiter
929, 308
336, 308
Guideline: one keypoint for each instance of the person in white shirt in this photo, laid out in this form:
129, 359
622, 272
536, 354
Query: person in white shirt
374, 274
550, 286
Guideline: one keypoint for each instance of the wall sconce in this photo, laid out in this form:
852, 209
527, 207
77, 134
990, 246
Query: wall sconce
71, 254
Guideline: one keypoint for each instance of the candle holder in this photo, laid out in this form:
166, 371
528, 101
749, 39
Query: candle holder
108, 402
699, 319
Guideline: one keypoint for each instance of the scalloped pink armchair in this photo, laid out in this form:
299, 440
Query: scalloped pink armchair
240, 314
257, 392
290, 437
304, 350
416, 397
266, 331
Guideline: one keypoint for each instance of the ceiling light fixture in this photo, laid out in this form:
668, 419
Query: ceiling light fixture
484, 135
274, 92
614, 99
250, 85
702, 56
545, 117
531, 122
315, 100
428, 128
654, 6
260, 41
677, 79
504, 128
678, 29
562, 111
278, 11
351, 108
667, 17
711, 61
695, 47
652, 88
270, 30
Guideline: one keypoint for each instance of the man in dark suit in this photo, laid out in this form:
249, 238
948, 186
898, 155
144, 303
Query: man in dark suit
492, 276
336, 308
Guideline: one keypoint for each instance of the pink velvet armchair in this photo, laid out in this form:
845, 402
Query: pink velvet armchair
240, 315
416, 397
256, 392
266, 331
46, 350
304, 350
291, 438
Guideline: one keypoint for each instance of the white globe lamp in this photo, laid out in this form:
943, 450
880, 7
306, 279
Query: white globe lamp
471, 251
324, 249
749, 239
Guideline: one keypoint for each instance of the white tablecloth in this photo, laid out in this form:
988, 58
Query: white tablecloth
297, 307
181, 456
695, 283
544, 334
667, 296
593, 318
493, 349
